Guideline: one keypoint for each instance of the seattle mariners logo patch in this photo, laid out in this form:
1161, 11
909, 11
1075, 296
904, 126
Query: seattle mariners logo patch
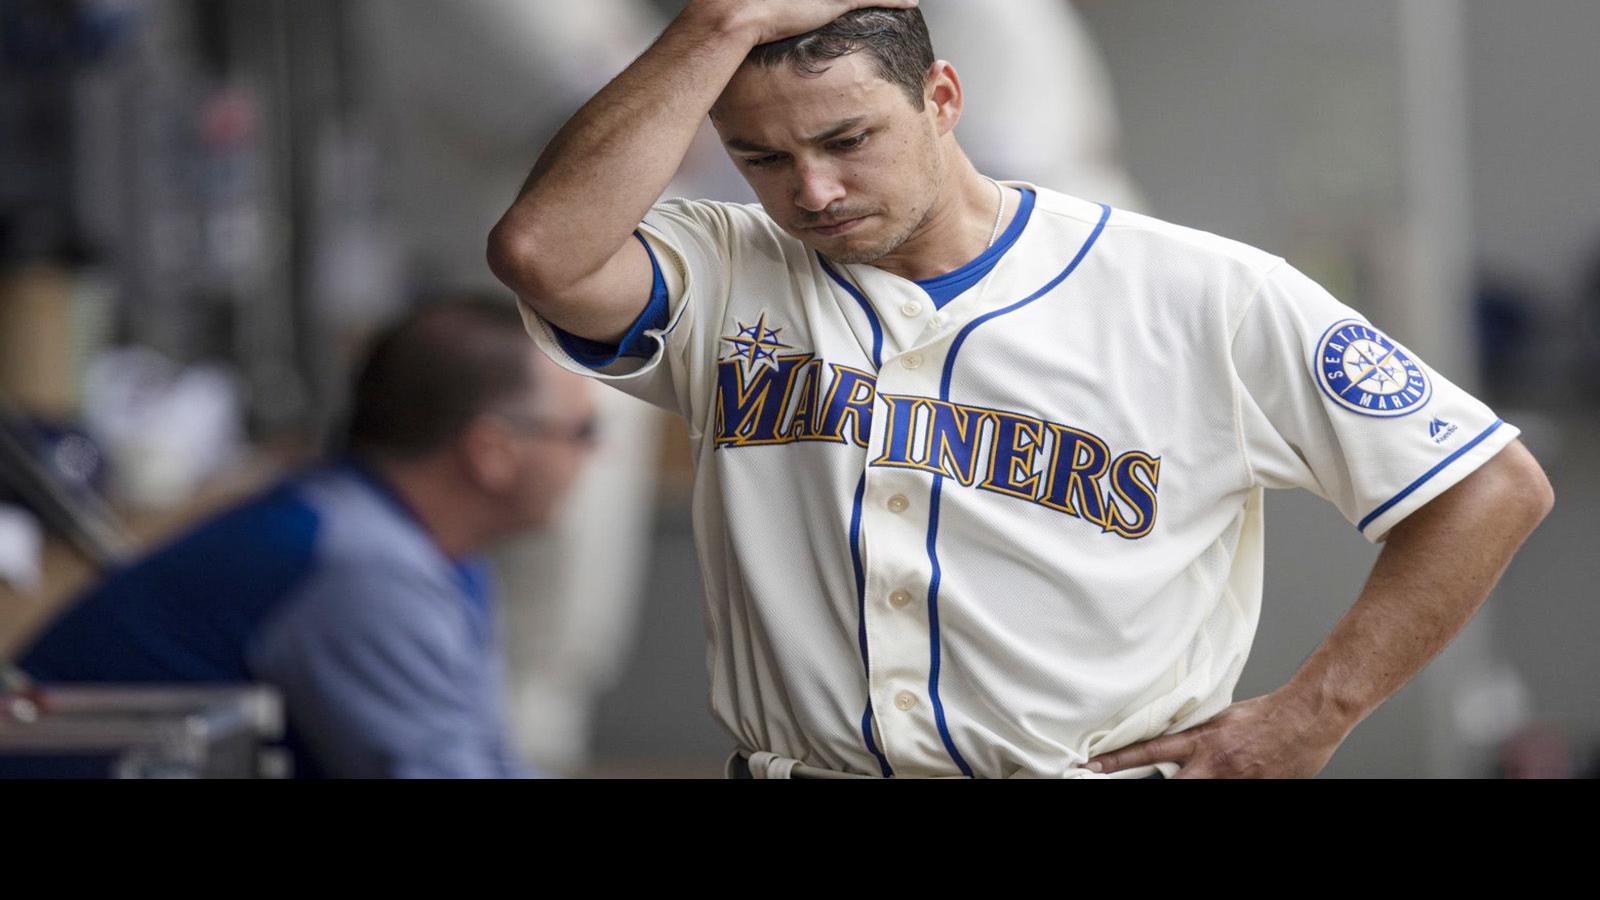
1369, 374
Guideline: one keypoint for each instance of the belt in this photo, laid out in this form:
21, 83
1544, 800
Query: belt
761, 765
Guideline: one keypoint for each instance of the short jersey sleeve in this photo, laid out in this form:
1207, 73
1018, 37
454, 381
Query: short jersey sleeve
637, 342
690, 241
1332, 404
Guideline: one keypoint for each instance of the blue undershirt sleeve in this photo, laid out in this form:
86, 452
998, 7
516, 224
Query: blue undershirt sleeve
597, 355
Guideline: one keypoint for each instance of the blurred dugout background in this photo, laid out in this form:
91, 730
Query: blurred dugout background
206, 204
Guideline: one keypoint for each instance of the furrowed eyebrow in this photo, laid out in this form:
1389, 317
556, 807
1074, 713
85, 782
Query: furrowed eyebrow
837, 130
745, 146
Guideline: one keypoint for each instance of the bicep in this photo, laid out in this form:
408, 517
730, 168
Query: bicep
1509, 489
604, 305
684, 286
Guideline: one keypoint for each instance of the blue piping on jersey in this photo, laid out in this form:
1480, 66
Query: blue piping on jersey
938, 486
872, 317
1427, 475
933, 628
955, 347
861, 601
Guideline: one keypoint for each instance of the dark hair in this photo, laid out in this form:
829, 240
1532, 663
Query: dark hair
429, 375
896, 39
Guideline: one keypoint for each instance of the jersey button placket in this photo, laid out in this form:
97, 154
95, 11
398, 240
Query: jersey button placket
895, 522
894, 530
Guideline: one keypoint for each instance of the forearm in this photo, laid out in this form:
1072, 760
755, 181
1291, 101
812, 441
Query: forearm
603, 170
1436, 570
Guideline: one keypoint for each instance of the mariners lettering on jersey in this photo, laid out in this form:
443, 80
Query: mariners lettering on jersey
1066, 469
1365, 372
785, 399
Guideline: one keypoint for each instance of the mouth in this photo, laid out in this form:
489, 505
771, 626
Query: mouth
841, 228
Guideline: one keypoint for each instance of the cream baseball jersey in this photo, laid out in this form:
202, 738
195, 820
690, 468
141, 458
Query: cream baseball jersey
999, 536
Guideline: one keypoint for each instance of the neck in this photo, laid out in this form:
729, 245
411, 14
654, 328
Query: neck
446, 506
957, 228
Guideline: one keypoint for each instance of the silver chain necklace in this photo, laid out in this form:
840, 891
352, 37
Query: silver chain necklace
1000, 193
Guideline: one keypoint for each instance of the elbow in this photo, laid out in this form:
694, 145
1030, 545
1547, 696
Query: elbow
1543, 495
513, 256
1526, 488
516, 256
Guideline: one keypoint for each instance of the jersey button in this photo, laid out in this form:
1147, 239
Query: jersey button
898, 503
911, 361
904, 701
936, 320
912, 309
900, 599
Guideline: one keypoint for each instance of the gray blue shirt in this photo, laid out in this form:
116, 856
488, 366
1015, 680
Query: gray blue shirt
330, 590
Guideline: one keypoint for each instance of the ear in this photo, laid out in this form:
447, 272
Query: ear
487, 454
942, 92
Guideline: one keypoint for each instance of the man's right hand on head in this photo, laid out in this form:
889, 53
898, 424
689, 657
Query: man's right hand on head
773, 20
566, 245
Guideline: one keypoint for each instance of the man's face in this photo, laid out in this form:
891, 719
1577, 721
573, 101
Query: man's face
552, 432
841, 161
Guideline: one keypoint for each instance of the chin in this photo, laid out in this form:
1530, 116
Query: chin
854, 259
855, 253
541, 520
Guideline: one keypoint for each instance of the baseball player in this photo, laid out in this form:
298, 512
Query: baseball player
979, 465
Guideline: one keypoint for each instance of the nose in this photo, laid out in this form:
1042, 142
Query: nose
817, 187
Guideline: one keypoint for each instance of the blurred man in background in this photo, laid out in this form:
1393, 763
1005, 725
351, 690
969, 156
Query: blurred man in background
354, 589
455, 153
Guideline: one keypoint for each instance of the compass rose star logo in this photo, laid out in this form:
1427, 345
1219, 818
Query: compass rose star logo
1365, 372
756, 345
1369, 366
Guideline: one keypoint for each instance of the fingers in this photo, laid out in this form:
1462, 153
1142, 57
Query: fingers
775, 20
1172, 748
891, 4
